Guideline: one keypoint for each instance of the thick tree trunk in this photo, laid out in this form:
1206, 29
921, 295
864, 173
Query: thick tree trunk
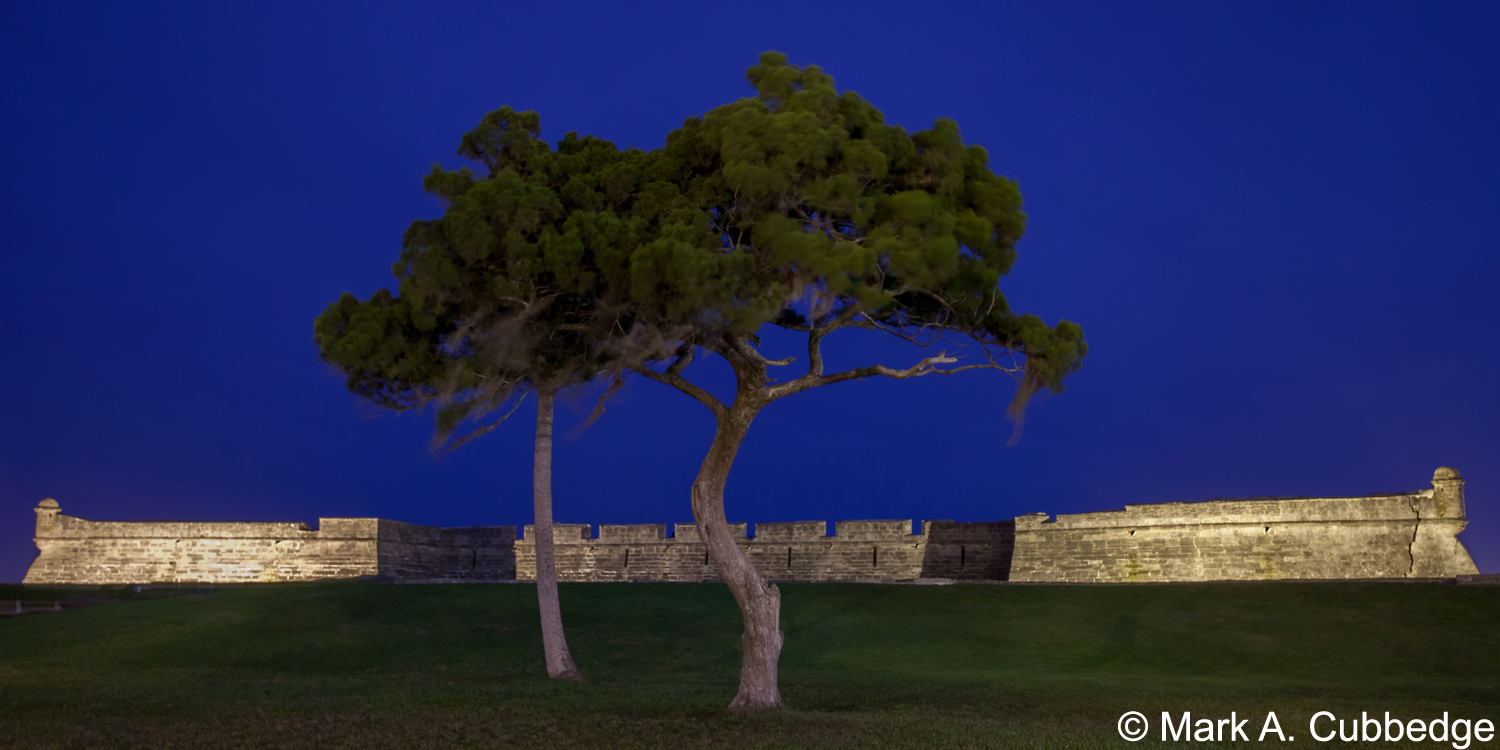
554, 641
760, 602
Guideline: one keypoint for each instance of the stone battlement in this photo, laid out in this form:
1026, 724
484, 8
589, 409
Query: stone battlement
1404, 535
801, 550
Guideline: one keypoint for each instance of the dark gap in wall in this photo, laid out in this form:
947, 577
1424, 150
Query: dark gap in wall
789, 557
874, 557
627, 558
705, 555
961, 553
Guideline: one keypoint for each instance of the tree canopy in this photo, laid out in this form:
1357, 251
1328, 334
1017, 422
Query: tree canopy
797, 207
519, 284
801, 205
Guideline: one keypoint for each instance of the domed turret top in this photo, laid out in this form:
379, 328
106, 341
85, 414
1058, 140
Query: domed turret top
47, 503
1445, 472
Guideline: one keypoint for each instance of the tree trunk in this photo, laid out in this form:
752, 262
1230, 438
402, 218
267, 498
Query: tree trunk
760, 602
554, 641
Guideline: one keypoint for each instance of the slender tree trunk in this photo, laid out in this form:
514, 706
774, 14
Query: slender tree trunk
554, 641
760, 602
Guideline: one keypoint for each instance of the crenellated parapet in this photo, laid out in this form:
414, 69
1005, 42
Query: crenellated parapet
1402, 535
801, 550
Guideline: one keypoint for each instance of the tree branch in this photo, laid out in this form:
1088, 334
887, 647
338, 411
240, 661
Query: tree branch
938, 299
685, 356
927, 366
748, 351
871, 324
598, 411
815, 353
453, 446
683, 384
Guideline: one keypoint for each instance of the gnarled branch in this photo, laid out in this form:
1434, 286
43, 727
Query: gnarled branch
928, 366
751, 353
815, 336
673, 377
478, 432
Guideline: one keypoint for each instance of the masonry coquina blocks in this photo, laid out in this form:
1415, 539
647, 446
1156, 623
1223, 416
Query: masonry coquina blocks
78, 551
1408, 535
802, 551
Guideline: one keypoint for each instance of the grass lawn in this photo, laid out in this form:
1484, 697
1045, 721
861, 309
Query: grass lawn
367, 665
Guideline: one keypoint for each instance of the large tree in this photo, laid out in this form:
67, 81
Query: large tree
516, 288
801, 208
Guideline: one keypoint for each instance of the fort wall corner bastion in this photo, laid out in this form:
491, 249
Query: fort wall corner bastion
1400, 535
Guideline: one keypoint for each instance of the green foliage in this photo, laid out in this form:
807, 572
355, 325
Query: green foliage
789, 208
804, 199
519, 284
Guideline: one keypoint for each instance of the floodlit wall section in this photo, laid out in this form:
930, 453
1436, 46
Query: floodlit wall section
79, 551
1410, 535
800, 551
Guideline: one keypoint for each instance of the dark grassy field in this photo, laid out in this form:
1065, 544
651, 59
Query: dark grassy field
366, 665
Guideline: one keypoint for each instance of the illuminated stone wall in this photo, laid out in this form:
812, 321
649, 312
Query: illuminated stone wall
1409, 535
78, 551
802, 551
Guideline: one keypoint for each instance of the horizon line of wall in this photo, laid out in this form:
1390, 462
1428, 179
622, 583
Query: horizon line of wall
1397, 535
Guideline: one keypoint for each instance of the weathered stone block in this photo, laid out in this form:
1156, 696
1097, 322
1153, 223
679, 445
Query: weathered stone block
562, 533
640, 532
855, 531
786, 532
688, 532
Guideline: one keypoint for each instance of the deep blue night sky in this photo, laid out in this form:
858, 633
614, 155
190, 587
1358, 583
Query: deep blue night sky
1276, 223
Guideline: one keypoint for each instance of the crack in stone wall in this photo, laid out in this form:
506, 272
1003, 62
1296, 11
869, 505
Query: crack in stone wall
1416, 529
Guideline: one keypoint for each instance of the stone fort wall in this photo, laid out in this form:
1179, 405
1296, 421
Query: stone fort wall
802, 551
78, 551
1408, 535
